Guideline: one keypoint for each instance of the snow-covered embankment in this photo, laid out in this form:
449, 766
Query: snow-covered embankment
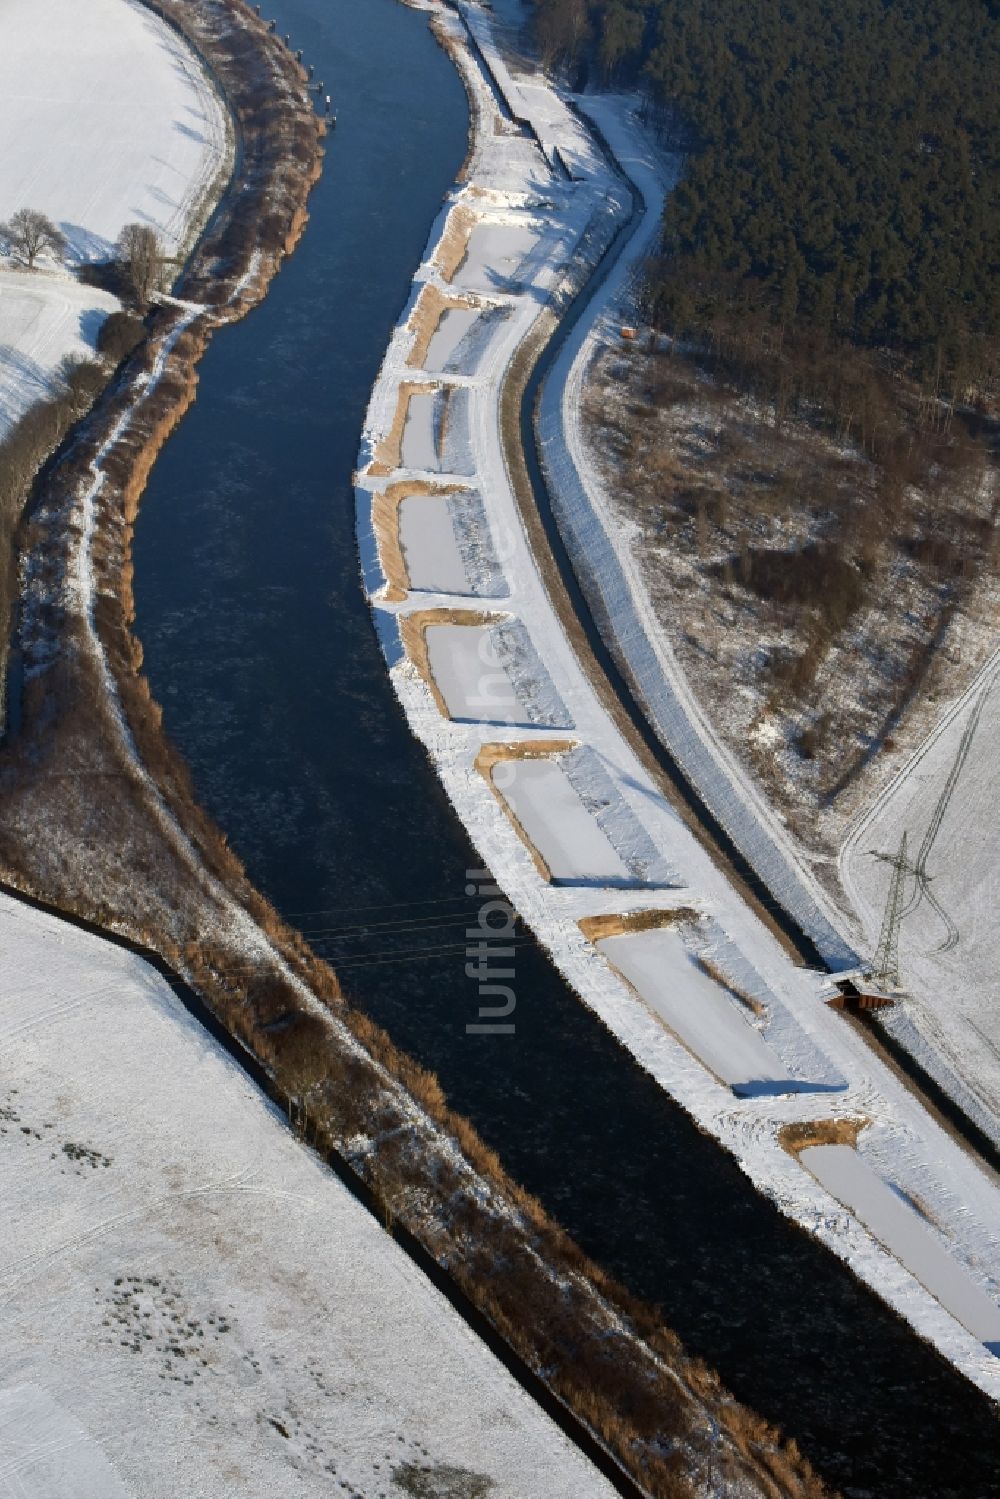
591, 851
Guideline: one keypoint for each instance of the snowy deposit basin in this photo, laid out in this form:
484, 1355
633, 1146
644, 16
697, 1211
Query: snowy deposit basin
700, 1012
430, 548
494, 255
557, 825
470, 670
471, 677
455, 323
898, 1227
420, 445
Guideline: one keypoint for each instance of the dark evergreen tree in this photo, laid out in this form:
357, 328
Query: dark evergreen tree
842, 156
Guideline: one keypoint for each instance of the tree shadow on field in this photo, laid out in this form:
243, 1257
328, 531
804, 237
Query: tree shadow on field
193, 135
82, 245
92, 320
28, 372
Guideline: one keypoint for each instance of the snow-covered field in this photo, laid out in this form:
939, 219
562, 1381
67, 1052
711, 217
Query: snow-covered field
43, 318
944, 800
514, 179
190, 1303
106, 119
44, 1451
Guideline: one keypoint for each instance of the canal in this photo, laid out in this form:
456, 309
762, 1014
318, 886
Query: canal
259, 646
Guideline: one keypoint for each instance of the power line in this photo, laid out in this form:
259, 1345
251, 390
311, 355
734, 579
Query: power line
401, 925
423, 923
419, 953
922, 888
887, 956
362, 960
444, 900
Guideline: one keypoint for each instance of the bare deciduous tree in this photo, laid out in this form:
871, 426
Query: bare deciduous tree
30, 234
141, 254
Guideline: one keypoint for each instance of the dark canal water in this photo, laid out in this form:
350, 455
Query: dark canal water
260, 648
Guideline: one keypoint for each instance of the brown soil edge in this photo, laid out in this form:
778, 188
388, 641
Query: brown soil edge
802, 1136
515, 383
448, 43
413, 629
143, 860
714, 972
597, 928
453, 245
385, 525
432, 304
491, 755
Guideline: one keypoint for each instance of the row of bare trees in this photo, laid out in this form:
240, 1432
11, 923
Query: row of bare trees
30, 235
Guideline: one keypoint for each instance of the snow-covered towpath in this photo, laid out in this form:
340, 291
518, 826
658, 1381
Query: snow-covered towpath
582, 839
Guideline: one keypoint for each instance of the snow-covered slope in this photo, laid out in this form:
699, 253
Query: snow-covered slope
106, 118
190, 1303
605, 555
43, 318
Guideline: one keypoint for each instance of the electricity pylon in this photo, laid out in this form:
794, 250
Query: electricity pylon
886, 966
